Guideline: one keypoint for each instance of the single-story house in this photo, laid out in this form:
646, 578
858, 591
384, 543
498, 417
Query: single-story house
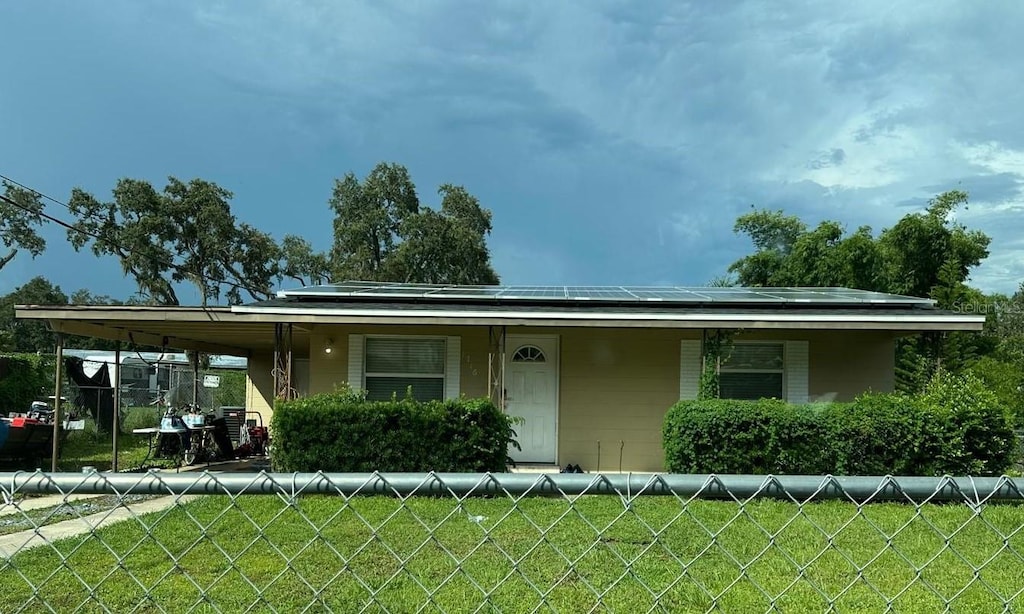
591, 370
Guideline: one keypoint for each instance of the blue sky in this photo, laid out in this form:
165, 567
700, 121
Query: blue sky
615, 142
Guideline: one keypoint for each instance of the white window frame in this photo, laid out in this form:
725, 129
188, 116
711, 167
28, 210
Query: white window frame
781, 370
451, 385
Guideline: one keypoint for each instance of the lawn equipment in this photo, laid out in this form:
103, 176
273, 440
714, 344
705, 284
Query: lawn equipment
254, 437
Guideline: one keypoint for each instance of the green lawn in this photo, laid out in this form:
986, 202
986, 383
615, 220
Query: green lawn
87, 449
334, 561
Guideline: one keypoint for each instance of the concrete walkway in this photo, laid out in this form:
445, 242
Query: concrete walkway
38, 503
31, 538
14, 543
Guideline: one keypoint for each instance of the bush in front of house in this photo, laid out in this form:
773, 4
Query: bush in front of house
343, 432
955, 427
722, 436
879, 434
975, 428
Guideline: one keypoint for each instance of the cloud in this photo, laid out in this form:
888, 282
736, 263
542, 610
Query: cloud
828, 159
617, 142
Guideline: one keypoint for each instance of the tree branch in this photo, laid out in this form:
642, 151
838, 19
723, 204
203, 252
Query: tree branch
6, 259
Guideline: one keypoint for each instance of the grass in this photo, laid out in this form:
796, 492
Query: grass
316, 551
88, 449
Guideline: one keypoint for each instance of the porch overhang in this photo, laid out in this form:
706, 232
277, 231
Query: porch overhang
897, 320
243, 330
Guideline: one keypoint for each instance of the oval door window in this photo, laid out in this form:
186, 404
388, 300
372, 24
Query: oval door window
528, 353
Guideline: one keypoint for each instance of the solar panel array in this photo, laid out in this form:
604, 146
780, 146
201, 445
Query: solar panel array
622, 294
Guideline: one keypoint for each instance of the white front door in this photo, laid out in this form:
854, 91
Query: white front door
531, 393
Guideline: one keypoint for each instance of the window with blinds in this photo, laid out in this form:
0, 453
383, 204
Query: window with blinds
396, 364
752, 371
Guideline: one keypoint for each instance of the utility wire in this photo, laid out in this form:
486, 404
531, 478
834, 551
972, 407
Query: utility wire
34, 191
59, 222
94, 216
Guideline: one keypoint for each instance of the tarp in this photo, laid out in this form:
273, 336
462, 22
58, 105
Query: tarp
96, 394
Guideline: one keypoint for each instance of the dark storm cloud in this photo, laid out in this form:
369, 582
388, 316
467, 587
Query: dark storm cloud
615, 143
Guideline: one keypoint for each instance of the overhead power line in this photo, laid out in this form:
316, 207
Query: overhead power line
34, 191
167, 264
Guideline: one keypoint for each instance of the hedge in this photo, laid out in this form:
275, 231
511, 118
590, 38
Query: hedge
23, 378
343, 432
956, 426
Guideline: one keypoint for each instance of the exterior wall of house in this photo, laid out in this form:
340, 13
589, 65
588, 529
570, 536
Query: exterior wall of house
615, 385
259, 385
843, 364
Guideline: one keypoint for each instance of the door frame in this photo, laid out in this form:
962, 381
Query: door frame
512, 343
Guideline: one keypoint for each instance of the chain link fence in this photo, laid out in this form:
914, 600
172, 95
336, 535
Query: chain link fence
145, 394
235, 542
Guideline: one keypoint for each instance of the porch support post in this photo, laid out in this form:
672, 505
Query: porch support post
117, 402
490, 365
290, 392
501, 403
195, 378
283, 361
496, 366
57, 386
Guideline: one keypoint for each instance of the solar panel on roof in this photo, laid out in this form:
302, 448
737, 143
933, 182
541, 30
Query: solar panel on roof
515, 292
591, 292
392, 290
469, 291
625, 294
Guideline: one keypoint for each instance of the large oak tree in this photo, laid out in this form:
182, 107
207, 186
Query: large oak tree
383, 233
185, 233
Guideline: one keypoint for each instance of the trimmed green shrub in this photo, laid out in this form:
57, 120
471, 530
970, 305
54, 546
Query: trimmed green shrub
343, 432
708, 432
879, 434
23, 378
955, 426
726, 436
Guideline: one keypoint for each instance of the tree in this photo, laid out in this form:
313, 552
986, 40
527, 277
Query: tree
368, 218
34, 336
773, 233
446, 247
382, 233
904, 259
787, 253
20, 220
919, 245
30, 335
1007, 315
186, 233
301, 263
83, 296
924, 254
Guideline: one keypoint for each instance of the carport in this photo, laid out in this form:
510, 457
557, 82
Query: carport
212, 330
